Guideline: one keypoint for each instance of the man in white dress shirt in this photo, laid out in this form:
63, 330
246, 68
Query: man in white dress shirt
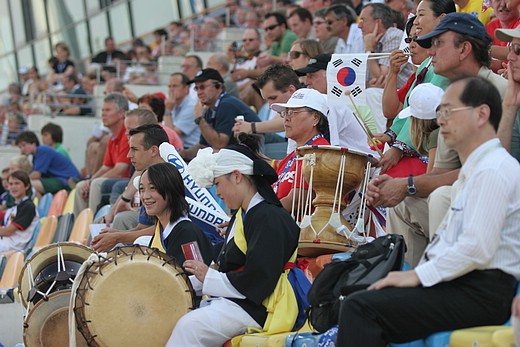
468, 273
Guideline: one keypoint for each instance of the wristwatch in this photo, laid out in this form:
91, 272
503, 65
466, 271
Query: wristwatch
198, 119
411, 186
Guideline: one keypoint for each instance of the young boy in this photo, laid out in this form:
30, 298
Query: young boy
52, 136
51, 169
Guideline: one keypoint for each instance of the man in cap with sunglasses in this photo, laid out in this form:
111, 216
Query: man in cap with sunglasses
217, 116
509, 129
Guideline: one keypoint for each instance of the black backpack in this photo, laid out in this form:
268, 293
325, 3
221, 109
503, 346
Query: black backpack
368, 263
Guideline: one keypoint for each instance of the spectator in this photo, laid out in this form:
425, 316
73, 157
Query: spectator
341, 22
179, 110
476, 8
144, 142
315, 5
21, 219
62, 66
155, 104
115, 162
323, 35
160, 43
175, 29
219, 62
191, 65
509, 129
52, 136
217, 117
281, 39
110, 54
300, 22
379, 36
51, 169
505, 18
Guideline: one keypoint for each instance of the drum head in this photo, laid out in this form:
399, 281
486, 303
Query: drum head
48, 255
134, 298
47, 323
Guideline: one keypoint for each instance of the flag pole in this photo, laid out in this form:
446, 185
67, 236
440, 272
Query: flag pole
357, 116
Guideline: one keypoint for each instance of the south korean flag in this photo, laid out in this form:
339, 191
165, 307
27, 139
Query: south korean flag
346, 74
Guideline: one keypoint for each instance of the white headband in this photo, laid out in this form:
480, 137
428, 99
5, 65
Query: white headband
206, 166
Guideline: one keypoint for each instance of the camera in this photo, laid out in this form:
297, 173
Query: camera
237, 46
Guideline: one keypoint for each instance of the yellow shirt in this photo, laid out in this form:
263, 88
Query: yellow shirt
477, 8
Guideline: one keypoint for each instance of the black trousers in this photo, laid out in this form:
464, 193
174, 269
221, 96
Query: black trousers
376, 317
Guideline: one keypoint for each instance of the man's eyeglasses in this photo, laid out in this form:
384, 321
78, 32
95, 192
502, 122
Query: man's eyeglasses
330, 22
514, 48
271, 27
248, 40
410, 39
295, 54
446, 112
202, 86
289, 113
319, 22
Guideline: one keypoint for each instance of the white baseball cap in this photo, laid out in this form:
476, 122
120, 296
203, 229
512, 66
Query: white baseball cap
424, 100
305, 97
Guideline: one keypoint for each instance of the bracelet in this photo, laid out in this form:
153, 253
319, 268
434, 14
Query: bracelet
125, 199
253, 128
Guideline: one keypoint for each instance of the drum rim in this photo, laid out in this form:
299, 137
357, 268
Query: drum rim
37, 331
68, 248
82, 322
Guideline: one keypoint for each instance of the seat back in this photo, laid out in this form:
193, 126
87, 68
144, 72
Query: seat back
12, 270
69, 204
36, 232
44, 205
63, 228
102, 211
81, 227
47, 230
58, 203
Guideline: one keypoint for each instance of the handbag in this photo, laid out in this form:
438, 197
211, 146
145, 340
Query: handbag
369, 263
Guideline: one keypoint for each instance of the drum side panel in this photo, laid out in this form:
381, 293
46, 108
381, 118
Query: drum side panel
136, 302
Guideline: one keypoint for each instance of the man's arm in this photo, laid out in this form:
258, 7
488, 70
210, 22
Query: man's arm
35, 175
107, 240
510, 106
269, 126
119, 170
190, 153
215, 139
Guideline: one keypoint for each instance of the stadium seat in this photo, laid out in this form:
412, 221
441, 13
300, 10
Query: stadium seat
58, 203
31, 243
69, 204
46, 234
80, 231
44, 205
64, 227
10, 276
101, 212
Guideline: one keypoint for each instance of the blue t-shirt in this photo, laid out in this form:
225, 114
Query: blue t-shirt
51, 163
222, 117
144, 218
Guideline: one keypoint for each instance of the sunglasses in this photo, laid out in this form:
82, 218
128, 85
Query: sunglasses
330, 22
271, 27
295, 54
410, 39
248, 40
514, 48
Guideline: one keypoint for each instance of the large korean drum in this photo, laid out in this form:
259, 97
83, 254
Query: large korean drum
331, 172
133, 296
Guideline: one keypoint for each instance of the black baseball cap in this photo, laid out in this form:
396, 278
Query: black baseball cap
459, 22
317, 63
207, 74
